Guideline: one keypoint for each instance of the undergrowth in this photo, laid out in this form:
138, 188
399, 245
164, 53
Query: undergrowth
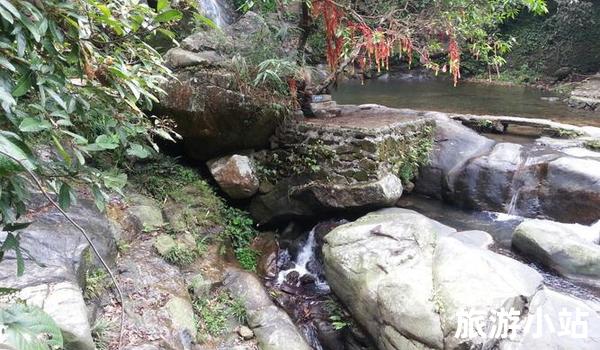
214, 312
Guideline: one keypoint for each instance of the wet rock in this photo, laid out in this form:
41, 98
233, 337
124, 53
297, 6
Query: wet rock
485, 182
571, 191
278, 205
405, 280
267, 246
475, 238
454, 146
539, 180
307, 279
272, 327
570, 249
235, 175
292, 278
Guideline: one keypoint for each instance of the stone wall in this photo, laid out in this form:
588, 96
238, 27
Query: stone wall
359, 159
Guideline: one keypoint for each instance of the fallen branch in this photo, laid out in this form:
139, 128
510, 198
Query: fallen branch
331, 78
40, 186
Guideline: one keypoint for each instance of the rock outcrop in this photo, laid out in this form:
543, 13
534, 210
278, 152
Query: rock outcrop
587, 94
552, 178
236, 175
358, 160
408, 280
572, 250
213, 114
57, 259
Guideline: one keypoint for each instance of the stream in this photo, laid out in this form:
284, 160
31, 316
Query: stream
300, 287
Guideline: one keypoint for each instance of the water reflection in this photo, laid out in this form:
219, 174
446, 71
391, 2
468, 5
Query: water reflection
470, 98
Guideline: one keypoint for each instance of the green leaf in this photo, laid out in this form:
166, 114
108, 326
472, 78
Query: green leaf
102, 143
28, 327
169, 15
23, 85
139, 151
7, 5
114, 182
65, 196
6, 15
34, 125
12, 145
161, 5
11, 242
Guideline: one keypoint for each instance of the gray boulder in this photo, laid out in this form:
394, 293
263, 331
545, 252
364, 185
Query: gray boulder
235, 175
485, 182
587, 94
570, 249
57, 259
571, 191
213, 114
405, 278
454, 146
272, 327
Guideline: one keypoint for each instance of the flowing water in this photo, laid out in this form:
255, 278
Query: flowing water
213, 10
467, 97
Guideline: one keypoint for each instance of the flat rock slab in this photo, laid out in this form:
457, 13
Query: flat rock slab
357, 160
368, 117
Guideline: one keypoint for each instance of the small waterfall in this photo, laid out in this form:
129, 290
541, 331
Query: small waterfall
302, 261
213, 10
519, 181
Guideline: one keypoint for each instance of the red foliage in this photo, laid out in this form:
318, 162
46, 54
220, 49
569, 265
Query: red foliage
374, 44
454, 53
332, 17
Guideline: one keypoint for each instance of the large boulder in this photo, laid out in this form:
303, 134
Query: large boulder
57, 259
235, 175
454, 146
485, 182
213, 113
557, 179
571, 190
570, 249
548, 310
409, 281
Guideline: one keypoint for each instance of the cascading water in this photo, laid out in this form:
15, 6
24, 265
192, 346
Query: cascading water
301, 265
214, 11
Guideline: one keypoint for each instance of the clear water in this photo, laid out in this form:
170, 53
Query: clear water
467, 97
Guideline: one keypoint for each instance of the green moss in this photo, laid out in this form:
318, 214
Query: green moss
406, 154
240, 231
162, 177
